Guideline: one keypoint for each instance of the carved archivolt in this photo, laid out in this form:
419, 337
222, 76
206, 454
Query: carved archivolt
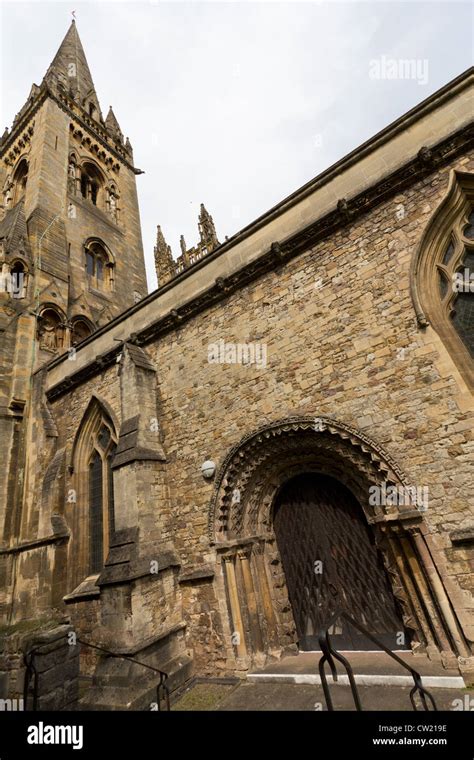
241, 519
256, 467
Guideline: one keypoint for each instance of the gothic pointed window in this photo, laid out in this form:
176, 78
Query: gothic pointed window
462, 309
20, 179
92, 182
101, 498
443, 284
92, 515
456, 280
99, 266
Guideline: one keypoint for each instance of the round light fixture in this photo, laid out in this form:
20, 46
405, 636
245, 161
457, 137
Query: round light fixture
208, 468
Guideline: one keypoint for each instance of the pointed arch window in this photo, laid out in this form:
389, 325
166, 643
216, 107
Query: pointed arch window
92, 182
456, 281
92, 514
20, 179
101, 497
443, 273
99, 266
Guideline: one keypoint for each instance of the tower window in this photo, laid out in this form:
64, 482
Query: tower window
99, 267
91, 183
17, 188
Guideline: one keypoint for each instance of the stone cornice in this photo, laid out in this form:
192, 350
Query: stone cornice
346, 211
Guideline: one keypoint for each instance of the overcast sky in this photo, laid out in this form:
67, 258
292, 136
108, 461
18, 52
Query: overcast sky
237, 104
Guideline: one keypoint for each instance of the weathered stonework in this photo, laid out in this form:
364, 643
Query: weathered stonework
352, 382
56, 661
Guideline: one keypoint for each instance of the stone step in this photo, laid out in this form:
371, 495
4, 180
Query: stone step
369, 668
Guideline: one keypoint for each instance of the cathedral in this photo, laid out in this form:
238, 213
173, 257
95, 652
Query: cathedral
202, 477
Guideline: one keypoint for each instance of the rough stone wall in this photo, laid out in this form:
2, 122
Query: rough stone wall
56, 661
342, 340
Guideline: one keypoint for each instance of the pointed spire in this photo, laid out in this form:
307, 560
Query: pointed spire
69, 71
164, 262
113, 126
207, 230
128, 148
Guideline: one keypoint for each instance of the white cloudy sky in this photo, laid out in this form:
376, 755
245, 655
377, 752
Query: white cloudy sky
236, 104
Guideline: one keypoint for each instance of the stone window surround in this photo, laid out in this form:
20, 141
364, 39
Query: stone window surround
85, 444
445, 226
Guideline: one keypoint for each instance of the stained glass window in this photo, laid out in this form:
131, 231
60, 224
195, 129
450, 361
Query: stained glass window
448, 254
463, 308
443, 285
468, 231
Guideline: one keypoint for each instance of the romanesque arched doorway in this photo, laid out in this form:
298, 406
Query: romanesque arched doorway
331, 563
251, 583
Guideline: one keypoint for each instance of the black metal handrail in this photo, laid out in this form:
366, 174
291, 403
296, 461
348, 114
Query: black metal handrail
329, 653
28, 659
162, 690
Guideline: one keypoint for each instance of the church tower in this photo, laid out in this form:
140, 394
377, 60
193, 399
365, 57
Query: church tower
68, 181
71, 255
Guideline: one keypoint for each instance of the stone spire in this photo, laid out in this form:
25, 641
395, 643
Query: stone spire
113, 126
69, 70
164, 263
207, 231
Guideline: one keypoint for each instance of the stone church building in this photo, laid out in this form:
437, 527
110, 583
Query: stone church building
200, 477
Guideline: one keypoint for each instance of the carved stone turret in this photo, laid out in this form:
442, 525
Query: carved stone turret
207, 243
164, 263
113, 126
207, 231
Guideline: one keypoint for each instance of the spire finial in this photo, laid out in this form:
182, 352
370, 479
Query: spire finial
207, 230
164, 263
